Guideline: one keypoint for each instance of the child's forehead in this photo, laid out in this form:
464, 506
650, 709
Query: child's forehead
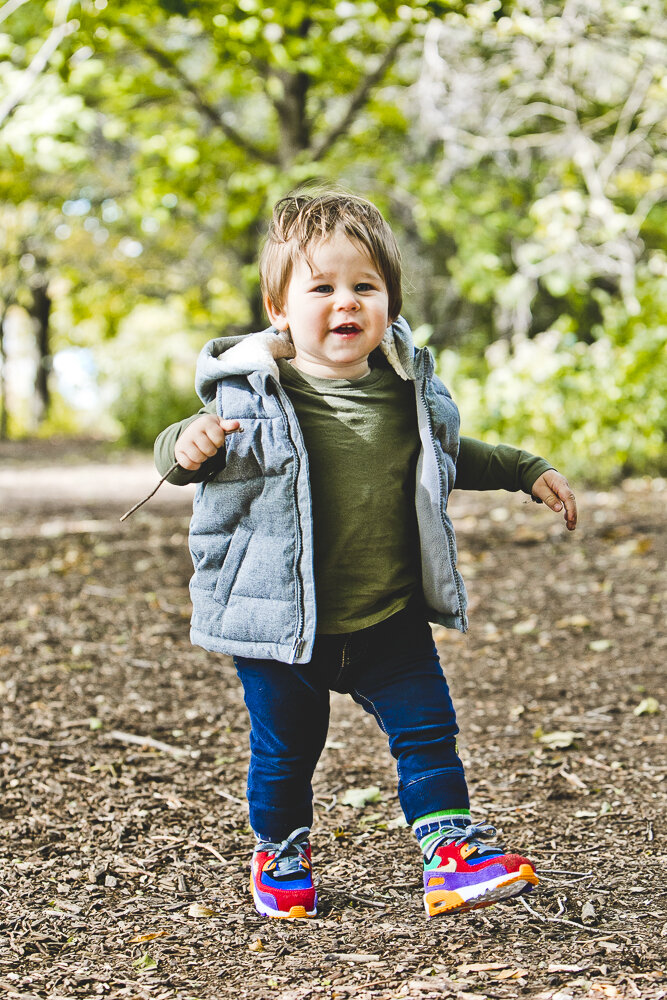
334, 250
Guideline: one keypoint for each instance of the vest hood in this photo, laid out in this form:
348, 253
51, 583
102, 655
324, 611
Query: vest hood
260, 352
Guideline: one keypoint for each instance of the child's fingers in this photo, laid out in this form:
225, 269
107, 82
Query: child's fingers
186, 461
570, 503
201, 440
562, 496
555, 491
228, 426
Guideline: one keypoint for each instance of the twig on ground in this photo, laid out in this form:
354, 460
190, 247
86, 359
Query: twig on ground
34, 741
232, 798
364, 899
561, 871
558, 919
147, 741
206, 847
341, 956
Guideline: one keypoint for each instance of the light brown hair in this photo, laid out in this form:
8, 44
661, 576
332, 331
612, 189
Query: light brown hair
301, 220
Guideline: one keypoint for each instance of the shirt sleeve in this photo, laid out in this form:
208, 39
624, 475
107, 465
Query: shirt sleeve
164, 453
482, 466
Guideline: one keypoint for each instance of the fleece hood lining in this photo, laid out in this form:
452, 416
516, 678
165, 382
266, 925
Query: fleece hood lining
260, 352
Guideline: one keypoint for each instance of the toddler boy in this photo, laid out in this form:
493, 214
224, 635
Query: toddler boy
322, 547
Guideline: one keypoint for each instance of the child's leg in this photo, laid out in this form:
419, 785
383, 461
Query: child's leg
289, 719
397, 677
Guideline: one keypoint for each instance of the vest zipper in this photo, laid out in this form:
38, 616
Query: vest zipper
298, 641
450, 540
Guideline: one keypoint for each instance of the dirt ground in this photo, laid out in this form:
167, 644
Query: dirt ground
125, 845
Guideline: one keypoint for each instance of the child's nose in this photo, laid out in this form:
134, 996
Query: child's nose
346, 299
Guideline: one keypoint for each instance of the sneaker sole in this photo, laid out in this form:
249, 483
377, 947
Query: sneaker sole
294, 913
474, 897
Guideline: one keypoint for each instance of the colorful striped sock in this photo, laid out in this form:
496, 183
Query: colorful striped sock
428, 828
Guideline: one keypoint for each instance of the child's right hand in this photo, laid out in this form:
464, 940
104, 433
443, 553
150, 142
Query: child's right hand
201, 440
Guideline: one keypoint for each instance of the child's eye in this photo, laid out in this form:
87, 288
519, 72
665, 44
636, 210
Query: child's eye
364, 286
323, 288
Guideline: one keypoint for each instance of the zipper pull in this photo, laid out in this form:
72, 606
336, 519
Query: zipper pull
296, 649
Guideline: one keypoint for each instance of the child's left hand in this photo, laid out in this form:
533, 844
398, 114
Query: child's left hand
555, 491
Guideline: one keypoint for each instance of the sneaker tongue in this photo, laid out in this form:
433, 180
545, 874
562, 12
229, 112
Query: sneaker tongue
287, 865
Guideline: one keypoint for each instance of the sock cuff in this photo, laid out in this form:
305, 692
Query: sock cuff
435, 818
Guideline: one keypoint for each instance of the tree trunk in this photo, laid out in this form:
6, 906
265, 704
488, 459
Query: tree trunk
4, 414
41, 312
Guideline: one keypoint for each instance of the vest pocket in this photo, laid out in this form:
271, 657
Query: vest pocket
232, 564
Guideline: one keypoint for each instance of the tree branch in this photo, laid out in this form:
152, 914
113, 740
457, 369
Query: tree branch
208, 110
61, 28
9, 8
360, 96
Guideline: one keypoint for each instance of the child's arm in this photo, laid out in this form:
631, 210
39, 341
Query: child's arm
482, 466
196, 443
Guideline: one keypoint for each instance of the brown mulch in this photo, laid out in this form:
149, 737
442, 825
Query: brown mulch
123, 751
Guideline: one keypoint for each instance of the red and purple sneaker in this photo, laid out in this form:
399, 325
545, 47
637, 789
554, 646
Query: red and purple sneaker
282, 877
461, 873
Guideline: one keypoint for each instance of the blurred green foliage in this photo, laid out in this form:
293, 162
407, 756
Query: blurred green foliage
147, 403
518, 149
598, 411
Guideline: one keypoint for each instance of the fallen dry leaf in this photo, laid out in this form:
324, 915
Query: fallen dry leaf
199, 910
147, 937
574, 621
481, 967
510, 974
525, 627
600, 645
561, 739
633, 547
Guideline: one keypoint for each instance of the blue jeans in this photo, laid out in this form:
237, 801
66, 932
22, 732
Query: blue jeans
392, 670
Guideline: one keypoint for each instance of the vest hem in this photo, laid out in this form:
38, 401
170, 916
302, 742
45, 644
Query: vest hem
284, 652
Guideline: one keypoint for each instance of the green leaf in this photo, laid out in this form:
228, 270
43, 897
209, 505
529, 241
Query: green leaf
359, 797
145, 961
561, 739
647, 706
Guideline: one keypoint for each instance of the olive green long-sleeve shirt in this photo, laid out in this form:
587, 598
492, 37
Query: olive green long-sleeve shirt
363, 443
479, 466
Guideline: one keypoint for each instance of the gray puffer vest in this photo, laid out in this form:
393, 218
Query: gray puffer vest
251, 534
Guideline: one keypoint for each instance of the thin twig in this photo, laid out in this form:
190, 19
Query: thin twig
344, 956
531, 910
558, 920
151, 494
147, 741
33, 741
9, 8
368, 902
562, 871
61, 28
232, 798
205, 847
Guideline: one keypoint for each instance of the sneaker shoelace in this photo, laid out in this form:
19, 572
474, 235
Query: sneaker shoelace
473, 834
289, 854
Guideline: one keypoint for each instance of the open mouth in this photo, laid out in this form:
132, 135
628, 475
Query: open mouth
347, 329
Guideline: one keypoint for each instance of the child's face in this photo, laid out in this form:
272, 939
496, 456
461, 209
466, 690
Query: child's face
336, 312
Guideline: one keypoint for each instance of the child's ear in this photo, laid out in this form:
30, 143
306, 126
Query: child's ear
277, 316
